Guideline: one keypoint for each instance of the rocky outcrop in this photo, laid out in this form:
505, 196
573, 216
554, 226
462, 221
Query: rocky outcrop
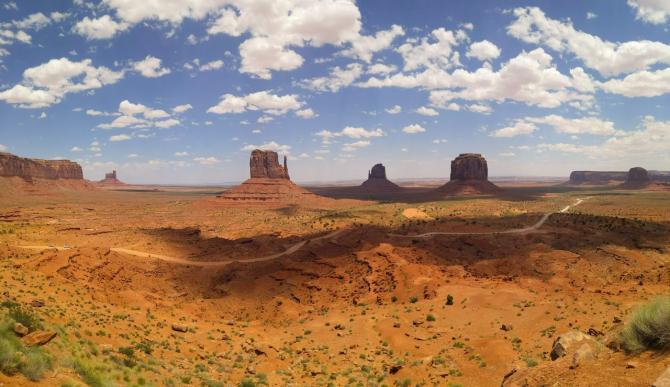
637, 176
110, 179
269, 184
265, 165
377, 181
469, 175
596, 177
28, 169
469, 166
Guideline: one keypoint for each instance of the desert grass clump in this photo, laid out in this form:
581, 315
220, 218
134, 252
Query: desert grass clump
22, 315
15, 358
649, 327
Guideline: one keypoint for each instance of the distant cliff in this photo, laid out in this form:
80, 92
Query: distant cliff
12, 165
606, 177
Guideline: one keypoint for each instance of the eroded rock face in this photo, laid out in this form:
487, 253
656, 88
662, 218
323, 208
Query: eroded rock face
377, 181
265, 164
12, 165
469, 166
378, 171
110, 179
637, 175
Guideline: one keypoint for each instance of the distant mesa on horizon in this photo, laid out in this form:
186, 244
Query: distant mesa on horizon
617, 177
469, 176
269, 184
377, 181
111, 180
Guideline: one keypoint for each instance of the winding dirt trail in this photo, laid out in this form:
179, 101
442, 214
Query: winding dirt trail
523, 230
301, 244
181, 261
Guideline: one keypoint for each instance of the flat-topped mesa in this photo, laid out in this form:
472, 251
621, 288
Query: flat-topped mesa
377, 181
596, 177
469, 166
110, 176
265, 165
15, 166
637, 175
469, 175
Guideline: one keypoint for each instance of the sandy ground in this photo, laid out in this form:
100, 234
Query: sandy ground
311, 296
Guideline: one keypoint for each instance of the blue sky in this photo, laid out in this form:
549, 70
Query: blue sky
179, 91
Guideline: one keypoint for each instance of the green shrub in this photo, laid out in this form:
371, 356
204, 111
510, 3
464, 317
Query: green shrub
649, 327
450, 299
37, 362
15, 358
21, 315
92, 375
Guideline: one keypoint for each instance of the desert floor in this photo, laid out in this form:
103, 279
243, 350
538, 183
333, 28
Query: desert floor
333, 296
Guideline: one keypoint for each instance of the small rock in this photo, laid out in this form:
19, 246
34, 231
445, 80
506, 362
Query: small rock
417, 323
396, 325
339, 327
230, 322
20, 329
506, 327
663, 380
567, 341
251, 369
583, 354
38, 338
594, 332
631, 364
616, 320
37, 303
394, 369
179, 328
106, 348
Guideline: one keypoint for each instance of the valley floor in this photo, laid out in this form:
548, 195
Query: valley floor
166, 288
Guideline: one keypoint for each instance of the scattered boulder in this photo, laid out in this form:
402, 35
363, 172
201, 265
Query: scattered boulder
584, 353
506, 327
20, 329
37, 338
37, 303
179, 328
569, 342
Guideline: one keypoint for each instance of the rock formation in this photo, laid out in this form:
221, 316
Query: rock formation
110, 179
596, 177
637, 177
377, 181
29, 169
469, 166
469, 175
269, 183
265, 164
